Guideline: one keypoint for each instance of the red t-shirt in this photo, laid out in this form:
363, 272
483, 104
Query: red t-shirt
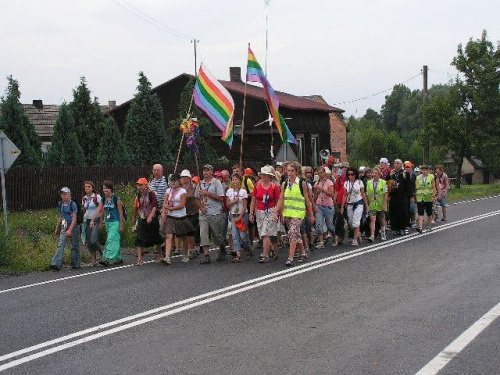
266, 198
339, 187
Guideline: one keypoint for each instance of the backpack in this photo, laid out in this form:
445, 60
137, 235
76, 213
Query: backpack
79, 211
125, 213
301, 187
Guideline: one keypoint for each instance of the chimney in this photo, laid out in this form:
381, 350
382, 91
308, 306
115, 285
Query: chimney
38, 104
235, 74
111, 104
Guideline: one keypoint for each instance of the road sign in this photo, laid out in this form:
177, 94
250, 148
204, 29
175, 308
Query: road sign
9, 152
8, 155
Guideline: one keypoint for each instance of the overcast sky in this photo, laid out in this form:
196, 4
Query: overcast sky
342, 50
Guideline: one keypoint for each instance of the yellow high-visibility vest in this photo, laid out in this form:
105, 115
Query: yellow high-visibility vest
295, 203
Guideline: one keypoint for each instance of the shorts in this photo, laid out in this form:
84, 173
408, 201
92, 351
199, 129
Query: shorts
442, 202
210, 224
305, 226
379, 214
424, 207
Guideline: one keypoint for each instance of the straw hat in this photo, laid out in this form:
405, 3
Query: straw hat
268, 170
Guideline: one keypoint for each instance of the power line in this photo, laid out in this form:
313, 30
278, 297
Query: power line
150, 20
378, 93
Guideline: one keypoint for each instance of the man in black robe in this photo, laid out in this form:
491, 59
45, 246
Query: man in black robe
399, 194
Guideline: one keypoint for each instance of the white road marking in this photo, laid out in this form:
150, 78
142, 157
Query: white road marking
206, 298
476, 199
452, 350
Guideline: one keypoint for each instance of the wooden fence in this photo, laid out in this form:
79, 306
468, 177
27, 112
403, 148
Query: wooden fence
38, 188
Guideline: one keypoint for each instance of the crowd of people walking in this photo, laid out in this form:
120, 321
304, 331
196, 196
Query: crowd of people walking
285, 205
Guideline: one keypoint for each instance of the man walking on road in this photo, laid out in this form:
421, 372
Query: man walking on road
159, 186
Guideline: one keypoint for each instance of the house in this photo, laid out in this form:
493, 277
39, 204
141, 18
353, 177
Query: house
44, 117
473, 170
308, 120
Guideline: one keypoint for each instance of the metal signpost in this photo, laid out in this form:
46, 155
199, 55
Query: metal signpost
8, 155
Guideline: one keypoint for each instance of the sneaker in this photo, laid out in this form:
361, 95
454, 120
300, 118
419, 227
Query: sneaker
320, 245
289, 262
302, 259
444, 218
397, 233
185, 259
371, 239
419, 230
382, 235
429, 228
354, 243
54, 268
205, 259
406, 231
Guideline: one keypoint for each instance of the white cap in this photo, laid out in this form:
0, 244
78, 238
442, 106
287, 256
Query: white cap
186, 173
384, 160
65, 190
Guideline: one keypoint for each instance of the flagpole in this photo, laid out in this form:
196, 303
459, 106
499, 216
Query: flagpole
243, 121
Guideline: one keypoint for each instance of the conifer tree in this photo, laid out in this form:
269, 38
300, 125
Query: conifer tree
16, 125
112, 150
89, 121
145, 135
207, 154
65, 149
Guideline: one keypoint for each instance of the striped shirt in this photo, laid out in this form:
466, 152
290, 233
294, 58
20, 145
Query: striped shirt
159, 186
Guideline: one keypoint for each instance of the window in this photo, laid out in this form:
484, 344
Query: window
314, 150
300, 148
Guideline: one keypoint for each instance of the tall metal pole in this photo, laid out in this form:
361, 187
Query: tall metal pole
4, 198
267, 33
194, 41
427, 142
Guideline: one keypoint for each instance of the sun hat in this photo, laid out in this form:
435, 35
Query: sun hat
208, 166
186, 173
268, 170
362, 168
142, 181
384, 160
279, 164
248, 172
65, 190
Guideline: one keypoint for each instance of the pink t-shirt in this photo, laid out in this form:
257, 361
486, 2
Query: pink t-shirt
322, 198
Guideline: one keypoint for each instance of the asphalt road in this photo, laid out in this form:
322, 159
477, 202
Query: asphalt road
386, 309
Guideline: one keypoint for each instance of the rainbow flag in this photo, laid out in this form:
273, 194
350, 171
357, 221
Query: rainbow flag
256, 74
211, 97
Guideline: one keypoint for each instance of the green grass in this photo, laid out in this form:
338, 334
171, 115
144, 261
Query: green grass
472, 191
31, 242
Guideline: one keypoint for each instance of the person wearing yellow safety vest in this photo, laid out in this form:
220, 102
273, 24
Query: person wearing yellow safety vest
293, 206
425, 193
377, 194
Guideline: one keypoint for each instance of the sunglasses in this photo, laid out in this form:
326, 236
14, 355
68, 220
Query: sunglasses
351, 174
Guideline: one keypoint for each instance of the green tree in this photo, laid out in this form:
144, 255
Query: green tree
392, 107
89, 120
145, 135
207, 154
16, 125
466, 118
112, 149
65, 149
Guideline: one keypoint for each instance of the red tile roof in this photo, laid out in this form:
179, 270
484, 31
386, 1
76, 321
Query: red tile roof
286, 100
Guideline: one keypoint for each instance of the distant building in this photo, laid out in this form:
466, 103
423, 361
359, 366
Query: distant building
308, 120
473, 170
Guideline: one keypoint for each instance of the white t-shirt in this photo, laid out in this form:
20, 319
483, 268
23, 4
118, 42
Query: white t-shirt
354, 191
232, 194
174, 199
89, 205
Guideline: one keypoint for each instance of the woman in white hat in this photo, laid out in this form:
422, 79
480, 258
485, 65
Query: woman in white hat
265, 196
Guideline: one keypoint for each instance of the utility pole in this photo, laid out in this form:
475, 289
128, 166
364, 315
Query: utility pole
194, 41
427, 141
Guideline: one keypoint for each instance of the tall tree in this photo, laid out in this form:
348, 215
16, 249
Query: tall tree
65, 149
89, 121
145, 134
392, 107
207, 154
16, 125
112, 150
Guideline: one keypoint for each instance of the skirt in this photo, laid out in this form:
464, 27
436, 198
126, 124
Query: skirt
148, 234
180, 226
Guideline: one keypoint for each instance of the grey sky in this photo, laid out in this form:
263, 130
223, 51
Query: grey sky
341, 50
